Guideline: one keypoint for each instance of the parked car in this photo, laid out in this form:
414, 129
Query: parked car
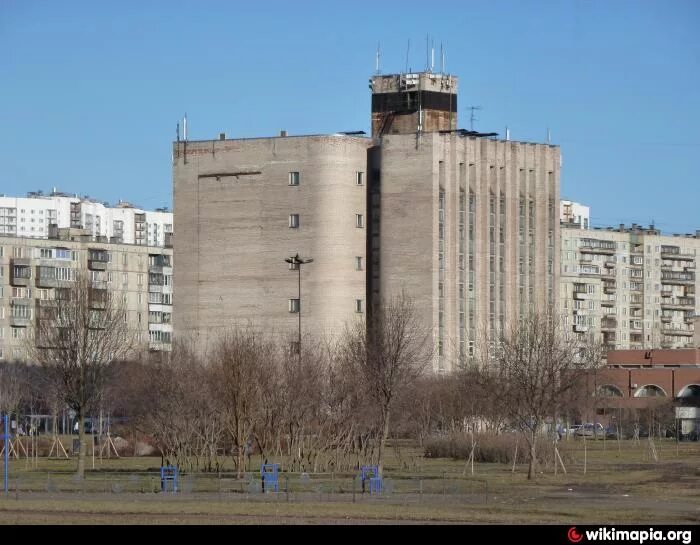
614, 432
591, 430
571, 430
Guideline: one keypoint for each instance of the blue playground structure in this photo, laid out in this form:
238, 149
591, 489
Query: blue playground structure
168, 479
371, 474
269, 474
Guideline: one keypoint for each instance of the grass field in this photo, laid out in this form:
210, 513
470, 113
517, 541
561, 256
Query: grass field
621, 484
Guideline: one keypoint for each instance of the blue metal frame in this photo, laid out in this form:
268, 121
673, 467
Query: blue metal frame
168, 478
269, 474
371, 474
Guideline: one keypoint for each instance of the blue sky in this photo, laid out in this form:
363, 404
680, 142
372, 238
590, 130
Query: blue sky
90, 92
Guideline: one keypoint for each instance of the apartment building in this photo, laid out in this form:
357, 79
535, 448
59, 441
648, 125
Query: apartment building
574, 215
631, 287
31, 269
462, 222
31, 216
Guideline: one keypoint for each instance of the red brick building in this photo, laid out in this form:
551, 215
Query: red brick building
643, 379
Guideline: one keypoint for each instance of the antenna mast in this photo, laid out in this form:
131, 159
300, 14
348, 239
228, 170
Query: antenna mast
408, 48
472, 117
379, 54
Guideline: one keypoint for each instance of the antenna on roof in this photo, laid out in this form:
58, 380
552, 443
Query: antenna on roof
184, 128
442, 59
427, 52
379, 54
432, 55
408, 48
472, 117
177, 132
549, 135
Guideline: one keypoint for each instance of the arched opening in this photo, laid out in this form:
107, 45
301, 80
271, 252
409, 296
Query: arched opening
692, 391
650, 390
608, 390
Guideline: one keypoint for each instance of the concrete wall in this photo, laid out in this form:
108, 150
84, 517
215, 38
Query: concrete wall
413, 168
233, 201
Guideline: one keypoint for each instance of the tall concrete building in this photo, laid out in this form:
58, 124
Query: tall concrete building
32, 216
31, 270
243, 207
631, 287
462, 222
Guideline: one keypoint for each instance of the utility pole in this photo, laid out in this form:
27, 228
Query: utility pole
298, 262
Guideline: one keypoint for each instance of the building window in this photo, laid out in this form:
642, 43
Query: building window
358, 305
293, 221
358, 263
359, 221
360, 178
294, 178
294, 305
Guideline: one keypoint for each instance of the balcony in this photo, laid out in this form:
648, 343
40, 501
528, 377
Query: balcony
580, 328
674, 253
609, 290
666, 319
20, 272
582, 295
98, 264
20, 321
666, 293
679, 303
159, 346
608, 302
677, 332
608, 326
596, 250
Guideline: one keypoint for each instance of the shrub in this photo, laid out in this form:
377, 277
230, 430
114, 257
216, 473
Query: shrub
490, 448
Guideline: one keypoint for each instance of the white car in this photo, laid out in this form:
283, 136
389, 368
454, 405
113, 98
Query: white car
591, 430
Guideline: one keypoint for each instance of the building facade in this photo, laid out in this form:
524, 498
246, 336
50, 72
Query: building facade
648, 379
463, 223
632, 288
32, 216
468, 227
31, 269
243, 207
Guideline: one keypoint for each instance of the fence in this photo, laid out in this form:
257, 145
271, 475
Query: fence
293, 487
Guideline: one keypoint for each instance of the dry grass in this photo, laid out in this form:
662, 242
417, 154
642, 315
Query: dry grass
620, 485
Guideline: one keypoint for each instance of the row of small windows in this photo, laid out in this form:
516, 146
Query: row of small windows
295, 178
294, 221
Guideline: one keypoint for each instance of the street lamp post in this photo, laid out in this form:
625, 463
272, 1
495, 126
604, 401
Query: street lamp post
298, 261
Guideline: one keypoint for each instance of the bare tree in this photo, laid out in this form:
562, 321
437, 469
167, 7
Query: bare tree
387, 354
241, 360
77, 337
532, 368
